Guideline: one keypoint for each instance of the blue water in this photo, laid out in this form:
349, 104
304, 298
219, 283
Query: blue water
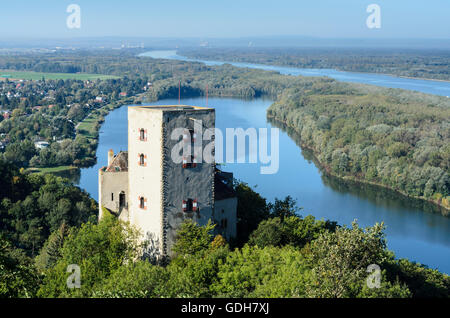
425, 86
412, 231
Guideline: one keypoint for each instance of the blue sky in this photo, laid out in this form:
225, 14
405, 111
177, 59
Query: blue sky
225, 18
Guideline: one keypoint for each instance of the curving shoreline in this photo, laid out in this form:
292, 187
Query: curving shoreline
444, 210
305, 68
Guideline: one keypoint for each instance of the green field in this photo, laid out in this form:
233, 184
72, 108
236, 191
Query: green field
51, 169
87, 126
52, 76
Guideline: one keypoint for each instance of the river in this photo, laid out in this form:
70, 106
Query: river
424, 86
414, 229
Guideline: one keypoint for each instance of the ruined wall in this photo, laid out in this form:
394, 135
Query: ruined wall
226, 210
113, 183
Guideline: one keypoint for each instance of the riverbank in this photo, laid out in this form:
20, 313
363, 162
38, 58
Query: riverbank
274, 62
445, 210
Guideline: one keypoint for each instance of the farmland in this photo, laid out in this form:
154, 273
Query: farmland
28, 75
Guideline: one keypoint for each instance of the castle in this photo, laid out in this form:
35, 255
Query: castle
146, 187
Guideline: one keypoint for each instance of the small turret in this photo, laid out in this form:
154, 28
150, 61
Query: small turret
110, 156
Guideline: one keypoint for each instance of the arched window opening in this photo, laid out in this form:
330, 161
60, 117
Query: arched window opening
122, 199
190, 205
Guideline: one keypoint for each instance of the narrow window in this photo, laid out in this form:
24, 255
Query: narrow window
142, 160
142, 134
190, 205
112, 196
122, 199
143, 203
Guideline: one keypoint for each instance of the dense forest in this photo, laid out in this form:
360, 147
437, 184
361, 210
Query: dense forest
374, 135
34, 205
275, 245
429, 64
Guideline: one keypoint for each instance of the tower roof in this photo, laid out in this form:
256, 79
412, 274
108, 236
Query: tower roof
165, 108
119, 163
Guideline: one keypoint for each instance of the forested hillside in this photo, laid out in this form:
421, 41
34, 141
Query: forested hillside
376, 135
280, 254
32, 206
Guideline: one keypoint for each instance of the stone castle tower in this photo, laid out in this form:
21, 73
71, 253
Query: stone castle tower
146, 187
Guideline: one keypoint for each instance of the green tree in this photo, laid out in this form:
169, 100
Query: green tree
262, 272
284, 208
193, 275
98, 249
18, 276
192, 238
339, 260
421, 281
251, 210
51, 251
138, 279
291, 230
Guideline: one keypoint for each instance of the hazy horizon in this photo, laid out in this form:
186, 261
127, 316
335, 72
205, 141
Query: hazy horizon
401, 19
211, 42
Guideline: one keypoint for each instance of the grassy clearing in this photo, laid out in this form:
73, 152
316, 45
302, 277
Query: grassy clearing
52, 76
88, 128
51, 169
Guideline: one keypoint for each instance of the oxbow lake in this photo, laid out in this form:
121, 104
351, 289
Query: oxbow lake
415, 230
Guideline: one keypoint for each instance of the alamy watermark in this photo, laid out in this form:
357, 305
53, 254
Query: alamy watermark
74, 279
374, 279
374, 19
74, 19
190, 147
